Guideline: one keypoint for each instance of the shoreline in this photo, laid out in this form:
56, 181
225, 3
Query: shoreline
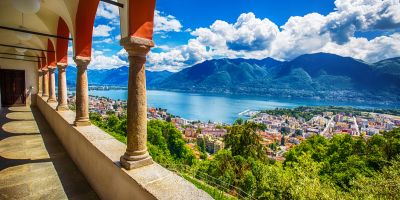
371, 104
250, 113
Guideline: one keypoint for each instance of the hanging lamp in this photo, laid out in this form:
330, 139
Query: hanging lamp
27, 6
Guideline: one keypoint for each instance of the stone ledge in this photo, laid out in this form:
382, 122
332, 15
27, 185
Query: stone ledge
97, 155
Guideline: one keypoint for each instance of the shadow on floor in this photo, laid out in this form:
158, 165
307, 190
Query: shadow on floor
33, 162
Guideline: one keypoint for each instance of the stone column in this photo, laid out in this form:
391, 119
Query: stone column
82, 98
62, 87
45, 84
40, 83
52, 86
136, 154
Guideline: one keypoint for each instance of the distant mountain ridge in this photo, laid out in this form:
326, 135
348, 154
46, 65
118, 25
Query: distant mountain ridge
318, 76
115, 77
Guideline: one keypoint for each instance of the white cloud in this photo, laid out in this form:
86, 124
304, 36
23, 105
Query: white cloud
122, 54
106, 62
251, 37
368, 50
247, 34
166, 23
106, 40
171, 60
361, 15
102, 31
99, 60
107, 11
162, 22
163, 47
250, 33
300, 35
102, 61
177, 58
70, 54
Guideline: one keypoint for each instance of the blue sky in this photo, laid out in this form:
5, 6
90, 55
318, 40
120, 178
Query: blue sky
191, 31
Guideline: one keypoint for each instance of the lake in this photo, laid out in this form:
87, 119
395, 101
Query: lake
221, 108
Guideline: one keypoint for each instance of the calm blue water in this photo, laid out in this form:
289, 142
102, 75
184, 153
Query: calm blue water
220, 108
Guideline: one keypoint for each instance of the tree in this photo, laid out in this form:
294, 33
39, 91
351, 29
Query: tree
273, 146
316, 146
392, 147
376, 155
245, 141
112, 121
165, 136
110, 112
122, 126
95, 117
343, 167
202, 144
239, 121
155, 137
384, 185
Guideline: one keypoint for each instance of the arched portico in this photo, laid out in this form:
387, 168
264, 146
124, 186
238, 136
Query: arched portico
40, 76
51, 66
62, 63
45, 71
100, 157
60, 18
84, 22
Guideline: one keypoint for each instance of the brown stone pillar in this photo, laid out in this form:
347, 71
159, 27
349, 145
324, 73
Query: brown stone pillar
45, 84
40, 83
82, 98
62, 87
52, 86
136, 154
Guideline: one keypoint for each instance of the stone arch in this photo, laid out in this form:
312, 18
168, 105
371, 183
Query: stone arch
62, 44
84, 21
51, 59
137, 18
43, 61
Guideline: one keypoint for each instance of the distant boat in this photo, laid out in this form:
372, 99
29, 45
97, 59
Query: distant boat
244, 112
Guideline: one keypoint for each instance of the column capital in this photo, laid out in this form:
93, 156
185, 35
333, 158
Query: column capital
82, 61
39, 71
135, 46
52, 69
62, 65
44, 70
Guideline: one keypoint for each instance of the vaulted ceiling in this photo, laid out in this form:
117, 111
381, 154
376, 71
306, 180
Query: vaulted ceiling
43, 21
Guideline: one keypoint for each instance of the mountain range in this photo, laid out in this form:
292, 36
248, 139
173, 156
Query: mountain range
114, 77
318, 76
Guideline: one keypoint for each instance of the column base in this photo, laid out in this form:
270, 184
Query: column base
51, 100
82, 123
45, 95
62, 108
134, 164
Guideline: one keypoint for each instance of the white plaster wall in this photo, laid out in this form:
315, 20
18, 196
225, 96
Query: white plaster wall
30, 69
